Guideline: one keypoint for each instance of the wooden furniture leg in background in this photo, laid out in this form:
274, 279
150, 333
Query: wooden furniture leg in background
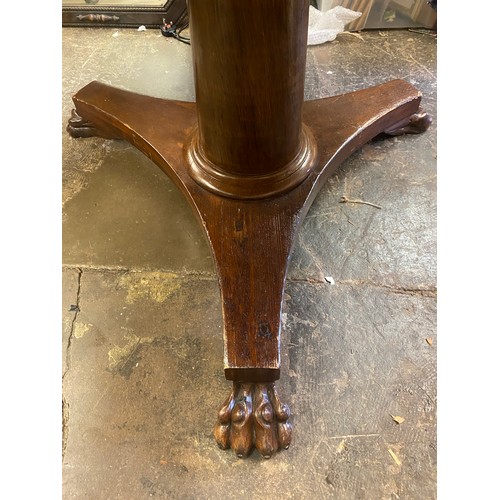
250, 156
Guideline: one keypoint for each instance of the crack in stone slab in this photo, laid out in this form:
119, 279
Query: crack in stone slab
427, 291
201, 275
65, 404
73, 327
65, 425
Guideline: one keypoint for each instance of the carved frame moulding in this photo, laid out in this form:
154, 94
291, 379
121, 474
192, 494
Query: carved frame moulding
94, 14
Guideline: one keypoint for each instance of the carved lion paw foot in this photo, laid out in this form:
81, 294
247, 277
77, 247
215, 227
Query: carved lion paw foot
253, 416
417, 123
80, 128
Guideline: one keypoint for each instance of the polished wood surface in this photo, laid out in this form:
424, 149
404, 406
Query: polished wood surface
251, 241
249, 65
245, 131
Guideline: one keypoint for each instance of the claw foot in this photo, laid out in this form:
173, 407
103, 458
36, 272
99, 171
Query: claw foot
253, 416
79, 128
417, 123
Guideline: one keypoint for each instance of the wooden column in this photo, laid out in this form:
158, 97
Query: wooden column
249, 62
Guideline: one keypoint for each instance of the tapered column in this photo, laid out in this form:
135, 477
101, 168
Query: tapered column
249, 63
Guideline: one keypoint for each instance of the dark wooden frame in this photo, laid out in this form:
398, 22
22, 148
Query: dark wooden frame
120, 16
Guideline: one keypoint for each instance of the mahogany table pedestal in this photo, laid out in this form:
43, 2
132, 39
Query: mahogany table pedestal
250, 156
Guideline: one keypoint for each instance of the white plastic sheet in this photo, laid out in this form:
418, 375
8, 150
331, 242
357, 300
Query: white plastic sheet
325, 26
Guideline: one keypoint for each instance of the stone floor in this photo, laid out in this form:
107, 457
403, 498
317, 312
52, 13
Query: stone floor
142, 343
